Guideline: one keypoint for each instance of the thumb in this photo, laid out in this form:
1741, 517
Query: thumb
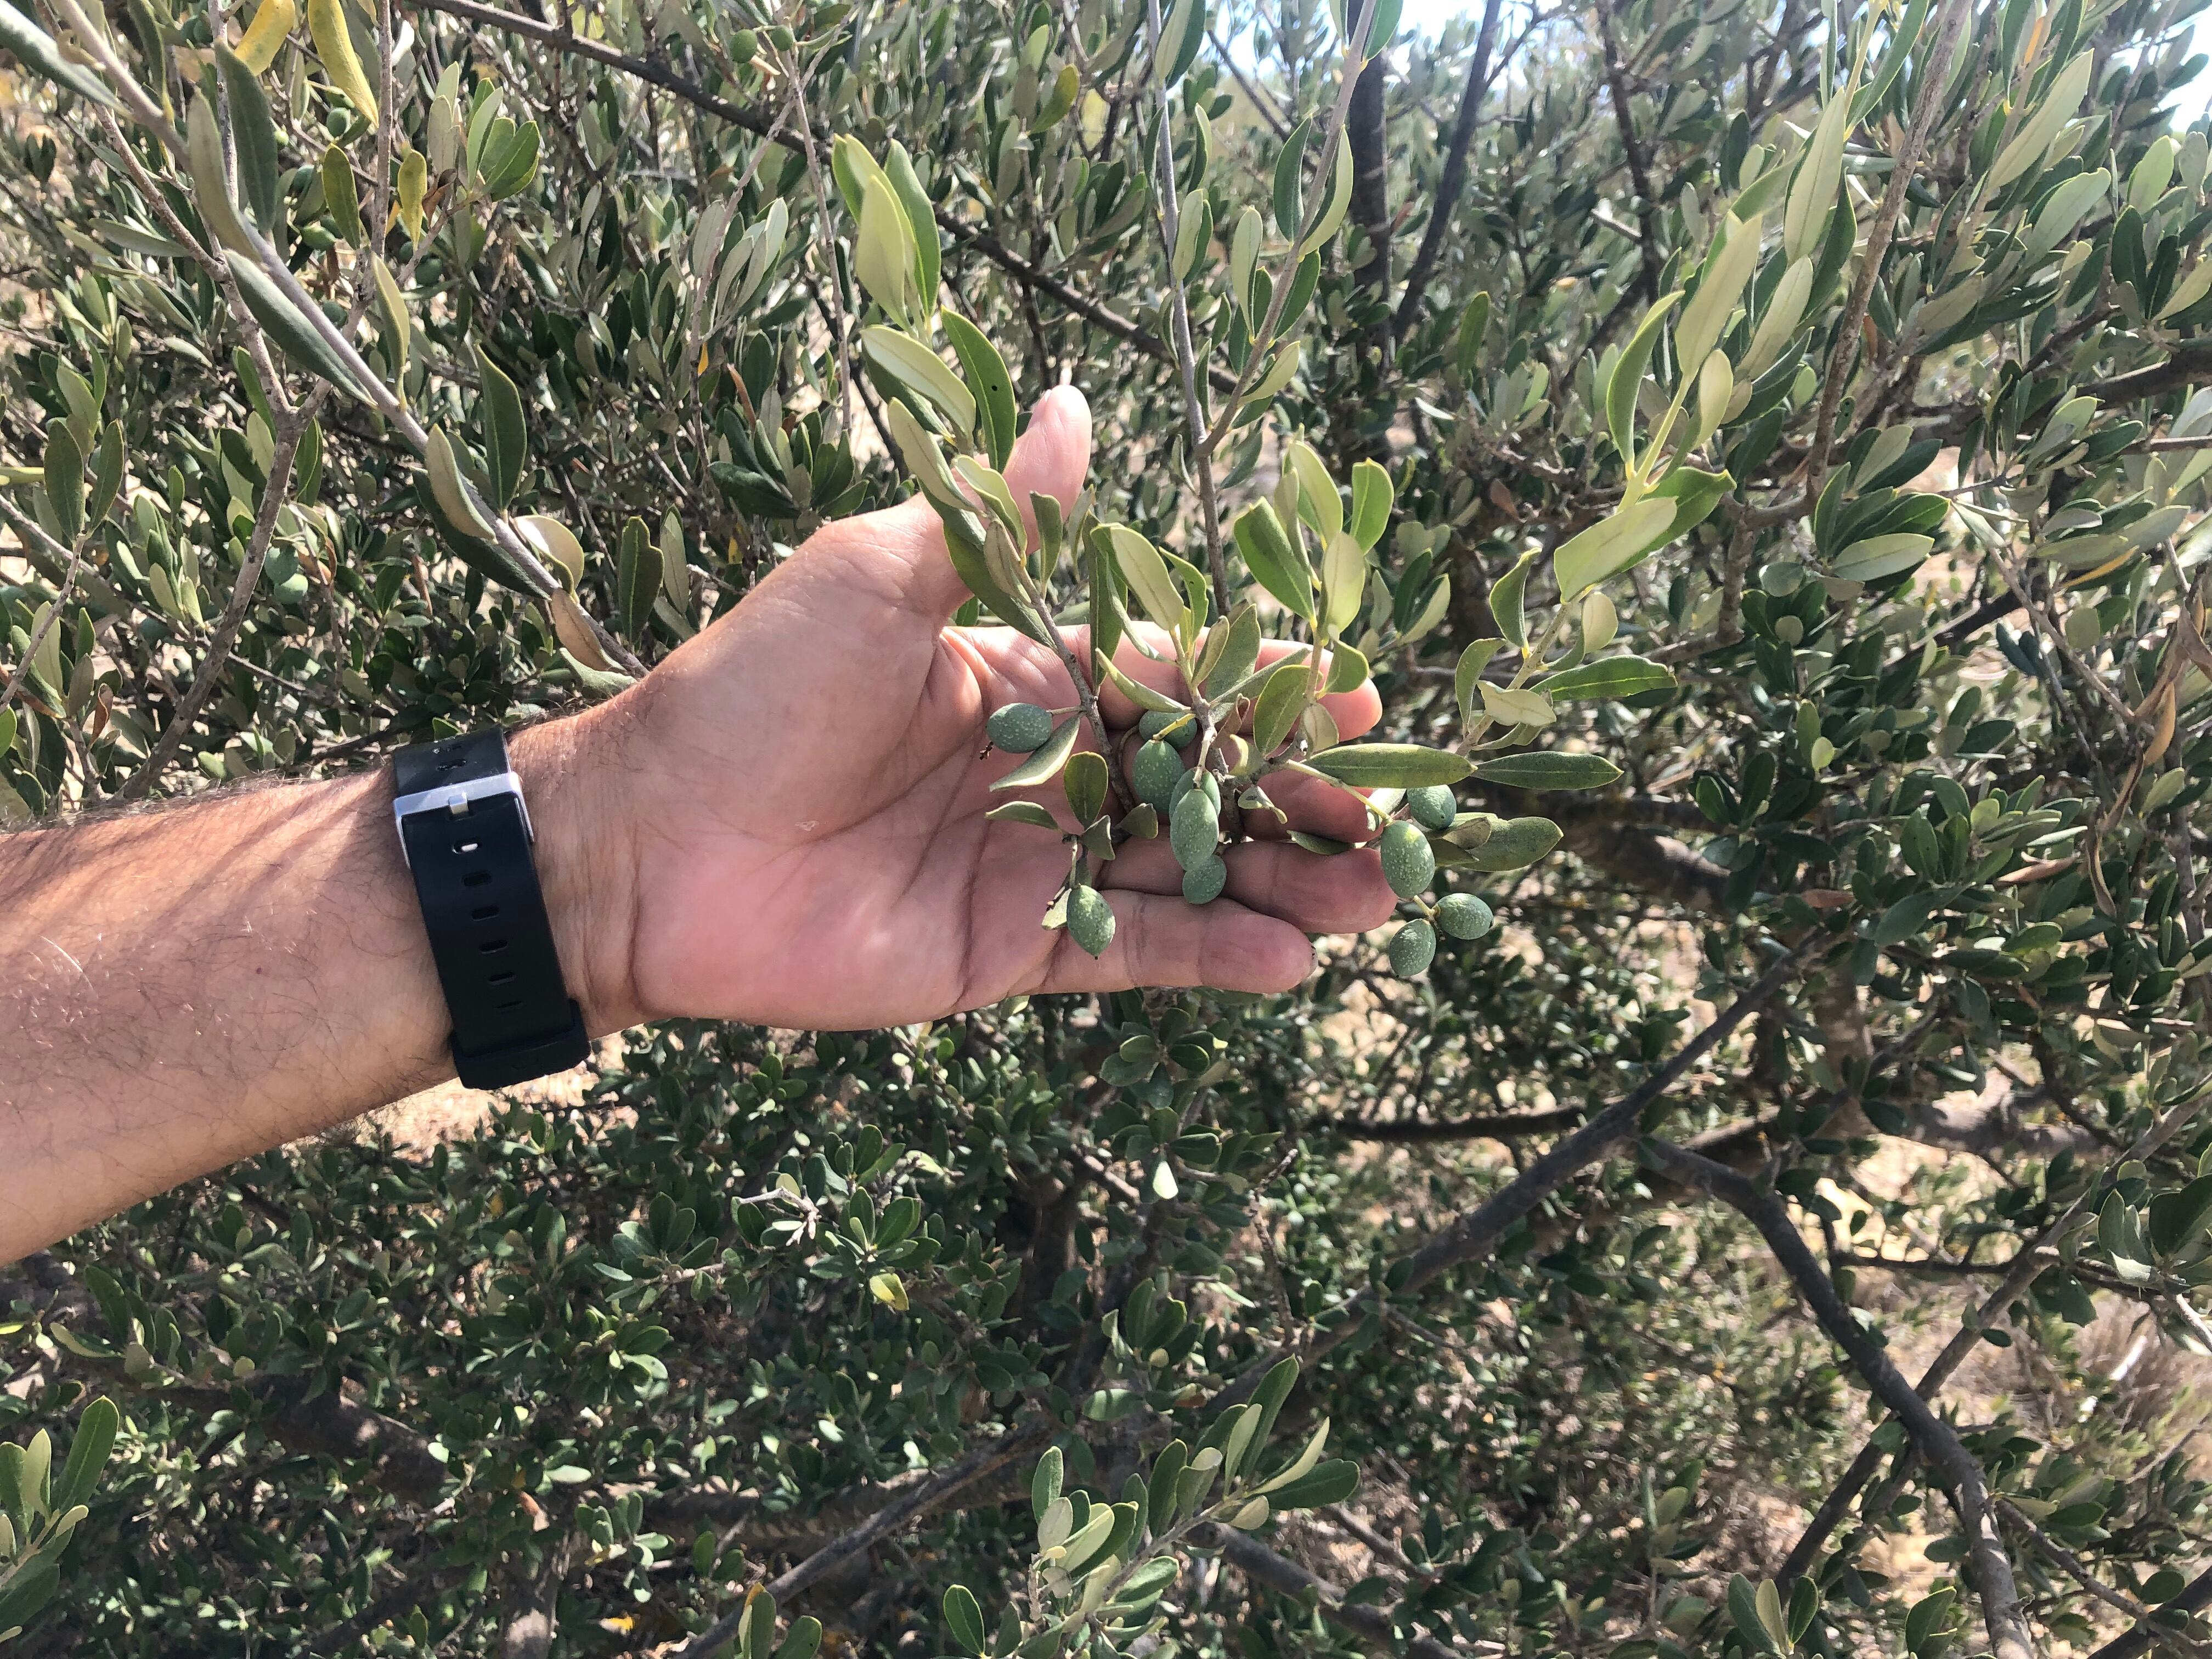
1051, 458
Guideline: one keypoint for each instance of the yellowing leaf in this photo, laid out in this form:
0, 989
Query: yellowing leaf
396, 330
257, 47
414, 183
334, 46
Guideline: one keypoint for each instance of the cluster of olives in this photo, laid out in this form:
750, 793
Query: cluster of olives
1409, 864
1201, 818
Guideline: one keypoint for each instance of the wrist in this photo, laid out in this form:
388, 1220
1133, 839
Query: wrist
587, 856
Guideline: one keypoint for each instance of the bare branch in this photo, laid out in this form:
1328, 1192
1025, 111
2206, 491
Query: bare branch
1987, 1564
926, 1498
1263, 1566
1453, 180
1478, 1232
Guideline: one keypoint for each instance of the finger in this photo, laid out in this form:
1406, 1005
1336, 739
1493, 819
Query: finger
1313, 806
1354, 712
1345, 894
904, 546
1165, 942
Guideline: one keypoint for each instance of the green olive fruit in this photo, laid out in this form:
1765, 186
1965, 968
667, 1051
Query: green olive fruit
1157, 720
1464, 916
1409, 861
1193, 829
1204, 781
1019, 727
1433, 807
1154, 773
1413, 948
1202, 884
1090, 919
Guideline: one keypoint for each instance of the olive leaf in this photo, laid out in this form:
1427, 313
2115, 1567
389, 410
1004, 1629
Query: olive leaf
1044, 764
1391, 765
1371, 494
340, 200
1146, 573
911, 367
507, 445
397, 328
273, 21
326, 22
508, 164
1509, 605
1549, 768
637, 576
1609, 546
107, 463
555, 543
204, 166
986, 373
1620, 392
253, 137
1467, 675
1276, 562
64, 476
1086, 783
1609, 677
1023, 811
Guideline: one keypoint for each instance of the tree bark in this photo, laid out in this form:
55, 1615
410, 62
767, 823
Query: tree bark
1370, 201
1453, 180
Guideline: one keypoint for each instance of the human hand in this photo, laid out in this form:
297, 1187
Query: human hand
784, 823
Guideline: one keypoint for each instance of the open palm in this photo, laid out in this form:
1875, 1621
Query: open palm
805, 787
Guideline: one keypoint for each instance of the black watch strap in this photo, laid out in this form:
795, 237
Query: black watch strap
467, 835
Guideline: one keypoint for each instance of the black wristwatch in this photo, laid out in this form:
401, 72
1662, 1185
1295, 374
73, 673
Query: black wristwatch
467, 837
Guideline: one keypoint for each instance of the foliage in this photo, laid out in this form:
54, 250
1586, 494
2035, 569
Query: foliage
38, 1513
1758, 455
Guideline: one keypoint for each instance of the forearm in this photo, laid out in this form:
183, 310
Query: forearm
189, 987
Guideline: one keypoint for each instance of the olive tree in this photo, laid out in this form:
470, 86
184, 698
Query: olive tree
1758, 455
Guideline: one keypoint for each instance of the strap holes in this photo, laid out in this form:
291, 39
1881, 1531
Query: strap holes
499, 979
509, 1007
483, 913
466, 846
492, 945
475, 879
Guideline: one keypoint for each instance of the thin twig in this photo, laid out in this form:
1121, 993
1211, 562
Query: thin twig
910, 1506
2078, 1570
1263, 338
1934, 91
275, 494
1477, 1233
794, 76
1201, 454
53, 611
1453, 180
